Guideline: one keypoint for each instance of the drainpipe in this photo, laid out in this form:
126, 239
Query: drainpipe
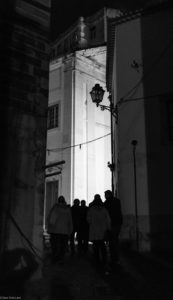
134, 143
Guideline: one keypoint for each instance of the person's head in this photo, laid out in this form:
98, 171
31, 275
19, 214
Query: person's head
97, 200
108, 195
83, 203
61, 200
76, 202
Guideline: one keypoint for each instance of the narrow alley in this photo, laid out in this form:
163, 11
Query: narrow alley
138, 277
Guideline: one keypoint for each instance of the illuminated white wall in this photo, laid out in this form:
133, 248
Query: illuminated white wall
91, 125
85, 172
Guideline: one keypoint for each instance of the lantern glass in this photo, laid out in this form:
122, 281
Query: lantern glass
97, 94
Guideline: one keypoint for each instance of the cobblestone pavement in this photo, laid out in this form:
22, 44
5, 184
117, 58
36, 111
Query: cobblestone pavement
75, 279
137, 277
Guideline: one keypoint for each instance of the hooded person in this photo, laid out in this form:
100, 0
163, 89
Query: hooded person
60, 227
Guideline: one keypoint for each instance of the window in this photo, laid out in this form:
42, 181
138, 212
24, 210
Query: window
170, 118
53, 116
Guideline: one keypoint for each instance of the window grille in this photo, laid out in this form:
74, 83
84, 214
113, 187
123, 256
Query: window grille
53, 116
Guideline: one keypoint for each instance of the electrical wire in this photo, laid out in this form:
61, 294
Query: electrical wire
78, 145
143, 98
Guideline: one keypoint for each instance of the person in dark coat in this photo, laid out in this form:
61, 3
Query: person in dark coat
75, 211
83, 230
113, 206
99, 223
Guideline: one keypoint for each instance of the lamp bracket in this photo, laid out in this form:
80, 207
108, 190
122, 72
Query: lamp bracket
113, 110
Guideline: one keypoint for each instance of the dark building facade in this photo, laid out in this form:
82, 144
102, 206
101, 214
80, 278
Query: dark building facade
24, 64
139, 77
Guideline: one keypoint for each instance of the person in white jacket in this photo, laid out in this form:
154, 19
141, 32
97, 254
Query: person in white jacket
60, 228
99, 223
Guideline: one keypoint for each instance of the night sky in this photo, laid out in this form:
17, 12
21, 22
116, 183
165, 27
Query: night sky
65, 13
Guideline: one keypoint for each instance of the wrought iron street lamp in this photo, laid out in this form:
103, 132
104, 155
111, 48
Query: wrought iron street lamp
97, 94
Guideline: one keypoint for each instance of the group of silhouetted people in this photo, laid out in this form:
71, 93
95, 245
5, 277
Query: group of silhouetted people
74, 227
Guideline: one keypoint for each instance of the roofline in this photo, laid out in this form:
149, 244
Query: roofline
87, 20
103, 45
